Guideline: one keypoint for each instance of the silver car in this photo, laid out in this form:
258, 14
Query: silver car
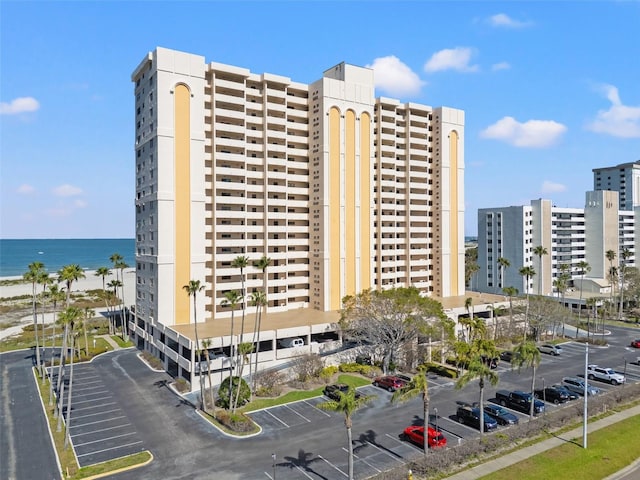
550, 348
576, 385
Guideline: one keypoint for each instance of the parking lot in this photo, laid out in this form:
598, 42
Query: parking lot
100, 429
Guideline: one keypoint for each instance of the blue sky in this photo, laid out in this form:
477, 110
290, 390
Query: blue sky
550, 90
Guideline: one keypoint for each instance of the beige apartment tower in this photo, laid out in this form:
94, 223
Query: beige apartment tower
342, 191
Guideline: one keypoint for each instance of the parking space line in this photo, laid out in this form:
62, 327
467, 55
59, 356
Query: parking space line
99, 421
104, 439
83, 388
396, 456
400, 442
75, 417
101, 430
313, 406
320, 456
107, 449
363, 461
297, 413
90, 400
94, 406
277, 418
303, 472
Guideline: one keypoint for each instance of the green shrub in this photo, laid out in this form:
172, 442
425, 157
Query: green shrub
438, 369
223, 392
182, 385
238, 422
366, 370
328, 372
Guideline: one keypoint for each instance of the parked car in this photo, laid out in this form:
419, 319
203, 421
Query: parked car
565, 390
415, 434
291, 342
519, 400
468, 415
635, 343
550, 348
502, 416
490, 362
605, 374
334, 391
576, 385
389, 382
506, 356
553, 394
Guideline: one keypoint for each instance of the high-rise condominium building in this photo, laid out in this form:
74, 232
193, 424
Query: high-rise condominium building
570, 236
624, 179
341, 191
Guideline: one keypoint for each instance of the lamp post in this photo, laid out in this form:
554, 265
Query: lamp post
435, 411
586, 395
624, 374
273, 457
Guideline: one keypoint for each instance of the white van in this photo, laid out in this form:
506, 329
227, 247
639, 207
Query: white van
291, 342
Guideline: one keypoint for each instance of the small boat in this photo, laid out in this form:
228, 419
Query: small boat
40, 253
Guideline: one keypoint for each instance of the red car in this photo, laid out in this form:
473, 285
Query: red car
635, 343
389, 382
415, 434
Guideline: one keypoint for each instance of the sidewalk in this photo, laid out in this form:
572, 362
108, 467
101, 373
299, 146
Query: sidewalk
109, 340
504, 461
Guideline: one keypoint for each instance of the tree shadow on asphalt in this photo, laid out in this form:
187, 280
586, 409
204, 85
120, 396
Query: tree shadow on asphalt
369, 437
182, 402
303, 461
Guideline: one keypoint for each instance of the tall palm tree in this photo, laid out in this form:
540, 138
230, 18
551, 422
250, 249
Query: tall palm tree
206, 344
472, 269
539, 251
262, 264
192, 289
347, 404
103, 272
624, 256
468, 305
56, 294
118, 264
33, 275
528, 272
565, 276
478, 369
69, 274
510, 292
69, 317
244, 349
241, 262
114, 284
417, 386
231, 299
88, 314
584, 268
45, 280
258, 300
526, 354
503, 263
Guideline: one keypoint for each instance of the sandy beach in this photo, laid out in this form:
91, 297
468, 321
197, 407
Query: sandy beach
90, 282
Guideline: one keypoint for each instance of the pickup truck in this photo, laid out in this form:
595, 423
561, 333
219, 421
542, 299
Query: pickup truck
518, 400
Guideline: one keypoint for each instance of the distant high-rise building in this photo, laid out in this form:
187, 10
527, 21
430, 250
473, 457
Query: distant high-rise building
624, 179
341, 191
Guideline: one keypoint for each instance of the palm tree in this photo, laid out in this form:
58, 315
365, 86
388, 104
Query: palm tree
471, 270
241, 262
565, 277
539, 251
528, 272
624, 255
478, 369
69, 274
468, 305
57, 295
69, 317
244, 349
417, 386
88, 315
503, 263
192, 289
231, 298
206, 344
258, 300
103, 272
262, 264
114, 284
510, 292
584, 268
45, 280
347, 404
119, 265
33, 275
527, 354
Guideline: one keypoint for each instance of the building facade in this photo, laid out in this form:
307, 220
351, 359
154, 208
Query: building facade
624, 179
569, 235
342, 191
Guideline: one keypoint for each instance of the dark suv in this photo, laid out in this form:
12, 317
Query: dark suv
468, 415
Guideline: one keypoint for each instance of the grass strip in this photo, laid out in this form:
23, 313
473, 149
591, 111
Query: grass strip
610, 449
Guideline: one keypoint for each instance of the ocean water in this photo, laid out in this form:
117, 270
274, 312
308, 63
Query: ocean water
90, 254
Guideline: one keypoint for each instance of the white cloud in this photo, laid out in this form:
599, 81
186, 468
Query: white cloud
620, 120
25, 189
79, 203
504, 20
19, 105
395, 77
66, 190
500, 66
551, 187
451, 59
533, 133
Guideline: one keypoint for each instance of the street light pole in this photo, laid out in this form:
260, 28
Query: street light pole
273, 457
586, 395
435, 410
